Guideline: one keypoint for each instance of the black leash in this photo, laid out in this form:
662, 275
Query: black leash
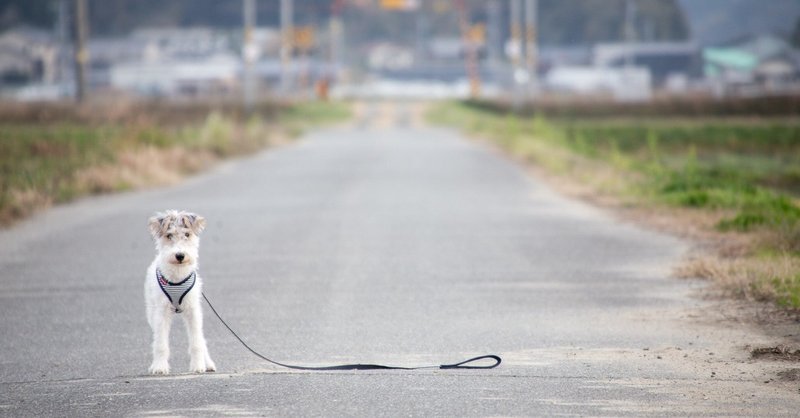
461, 365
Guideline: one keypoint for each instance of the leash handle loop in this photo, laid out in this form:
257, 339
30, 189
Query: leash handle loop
461, 365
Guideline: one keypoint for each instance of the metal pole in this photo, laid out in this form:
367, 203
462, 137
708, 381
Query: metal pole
420, 41
81, 51
531, 50
493, 32
516, 50
63, 42
336, 33
249, 54
470, 51
287, 32
516, 39
335, 29
630, 32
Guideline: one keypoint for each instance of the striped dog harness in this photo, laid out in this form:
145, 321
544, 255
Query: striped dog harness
175, 291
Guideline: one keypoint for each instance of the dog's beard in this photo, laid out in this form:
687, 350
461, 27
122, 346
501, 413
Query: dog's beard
175, 271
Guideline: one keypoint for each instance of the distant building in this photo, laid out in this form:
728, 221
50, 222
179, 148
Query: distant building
105, 53
216, 74
450, 48
182, 42
624, 84
762, 62
165, 61
27, 55
552, 56
624, 71
666, 61
388, 56
446, 48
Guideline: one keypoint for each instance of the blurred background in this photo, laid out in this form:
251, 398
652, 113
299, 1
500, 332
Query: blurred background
686, 110
626, 50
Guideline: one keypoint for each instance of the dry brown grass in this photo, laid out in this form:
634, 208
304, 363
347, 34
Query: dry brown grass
20, 203
747, 277
133, 169
145, 167
125, 111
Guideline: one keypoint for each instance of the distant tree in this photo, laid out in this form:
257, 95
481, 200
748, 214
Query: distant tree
31, 12
119, 17
588, 21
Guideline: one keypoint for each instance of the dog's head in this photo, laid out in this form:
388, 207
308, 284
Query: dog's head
177, 236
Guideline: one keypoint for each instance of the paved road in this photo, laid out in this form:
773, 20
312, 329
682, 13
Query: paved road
381, 242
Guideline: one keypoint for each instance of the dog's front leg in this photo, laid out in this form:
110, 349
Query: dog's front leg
161, 322
198, 351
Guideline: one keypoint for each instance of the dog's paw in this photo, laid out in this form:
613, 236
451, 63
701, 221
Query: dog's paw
198, 367
159, 368
210, 366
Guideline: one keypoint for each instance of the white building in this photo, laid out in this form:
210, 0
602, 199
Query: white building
28, 55
214, 74
666, 61
624, 84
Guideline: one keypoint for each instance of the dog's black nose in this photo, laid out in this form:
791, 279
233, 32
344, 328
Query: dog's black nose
179, 257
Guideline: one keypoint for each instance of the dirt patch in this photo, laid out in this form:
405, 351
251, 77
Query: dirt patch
790, 375
779, 352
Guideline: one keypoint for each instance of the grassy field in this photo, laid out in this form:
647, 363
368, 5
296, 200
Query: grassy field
734, 179
54, 153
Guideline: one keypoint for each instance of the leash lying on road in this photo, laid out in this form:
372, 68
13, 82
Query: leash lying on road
461, 365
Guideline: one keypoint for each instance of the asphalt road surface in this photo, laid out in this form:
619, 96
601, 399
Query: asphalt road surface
384, 241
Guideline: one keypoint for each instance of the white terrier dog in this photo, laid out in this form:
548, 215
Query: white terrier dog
173, 286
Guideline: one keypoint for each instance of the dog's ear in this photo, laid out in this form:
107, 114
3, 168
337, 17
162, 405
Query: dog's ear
157, 224
194, 222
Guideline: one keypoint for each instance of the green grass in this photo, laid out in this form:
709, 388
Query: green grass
319, 112
787, 291
750, 169
40, 162
43, 158
746, 169
298, 118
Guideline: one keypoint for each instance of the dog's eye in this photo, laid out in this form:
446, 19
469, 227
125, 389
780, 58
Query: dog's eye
169, 237
188, 235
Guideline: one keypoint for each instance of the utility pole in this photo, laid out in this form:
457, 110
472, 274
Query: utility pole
531, 48
493, 33
335, 32
62, 29
630, 32
250, 54
515, 50
287, 44
420, 40
470, 51
336, 29
516, 38
81, 32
